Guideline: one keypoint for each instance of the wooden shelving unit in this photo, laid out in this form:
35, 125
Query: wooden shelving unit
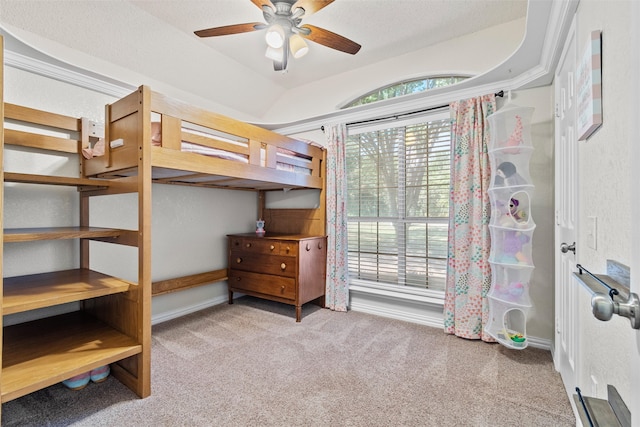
113, 324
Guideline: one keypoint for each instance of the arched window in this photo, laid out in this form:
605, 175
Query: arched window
405, 88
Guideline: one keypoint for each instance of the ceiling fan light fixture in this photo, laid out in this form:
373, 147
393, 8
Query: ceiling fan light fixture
275, 36
274, 53
298, 46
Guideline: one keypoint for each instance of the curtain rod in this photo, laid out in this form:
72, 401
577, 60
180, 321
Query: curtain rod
397, 116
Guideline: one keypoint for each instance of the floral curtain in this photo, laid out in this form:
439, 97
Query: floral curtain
337, 295
466, 309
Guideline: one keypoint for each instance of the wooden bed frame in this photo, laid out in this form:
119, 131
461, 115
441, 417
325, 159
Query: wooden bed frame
130, 119
131, 166
129, 122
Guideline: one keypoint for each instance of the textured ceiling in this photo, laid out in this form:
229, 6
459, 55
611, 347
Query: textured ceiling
384, 28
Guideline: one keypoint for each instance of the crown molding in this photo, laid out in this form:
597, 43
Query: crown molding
558, 17
77, 78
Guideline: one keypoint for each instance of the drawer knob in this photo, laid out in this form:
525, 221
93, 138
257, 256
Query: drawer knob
238, 260
308, 247
238, 279
272, 247
282, 289
248, 245
319, 245
283, 266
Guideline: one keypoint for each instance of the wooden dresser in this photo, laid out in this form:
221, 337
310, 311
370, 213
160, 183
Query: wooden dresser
285, 268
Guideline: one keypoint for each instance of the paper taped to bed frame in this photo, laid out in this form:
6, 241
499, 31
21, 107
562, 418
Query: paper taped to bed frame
298, 199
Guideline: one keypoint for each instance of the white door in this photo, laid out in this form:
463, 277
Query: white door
566, 290
634, 369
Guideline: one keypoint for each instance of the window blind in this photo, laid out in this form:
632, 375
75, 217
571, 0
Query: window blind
397, 206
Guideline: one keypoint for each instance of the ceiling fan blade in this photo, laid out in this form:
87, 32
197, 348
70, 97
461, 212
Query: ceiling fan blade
261, 3
329, 39
230, 29
310, 6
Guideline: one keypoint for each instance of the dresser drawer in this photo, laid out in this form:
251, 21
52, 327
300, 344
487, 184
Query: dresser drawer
268, 264
256, 245
288, 248
261, 283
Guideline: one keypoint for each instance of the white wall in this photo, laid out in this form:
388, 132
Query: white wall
605, 191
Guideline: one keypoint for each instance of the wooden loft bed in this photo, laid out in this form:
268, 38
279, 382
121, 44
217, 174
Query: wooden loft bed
172, 134
187, 145
114, 323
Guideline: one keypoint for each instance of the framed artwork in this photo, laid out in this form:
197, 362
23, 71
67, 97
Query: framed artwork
589, 87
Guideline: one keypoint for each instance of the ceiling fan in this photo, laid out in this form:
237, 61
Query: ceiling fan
284, 34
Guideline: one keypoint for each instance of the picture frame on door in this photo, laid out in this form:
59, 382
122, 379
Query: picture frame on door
589, 87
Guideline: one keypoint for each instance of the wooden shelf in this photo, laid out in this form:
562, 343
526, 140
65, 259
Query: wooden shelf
44, 352
27, 178
57, 233
23, 293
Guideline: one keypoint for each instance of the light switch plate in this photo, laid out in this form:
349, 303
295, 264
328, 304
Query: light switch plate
592, 231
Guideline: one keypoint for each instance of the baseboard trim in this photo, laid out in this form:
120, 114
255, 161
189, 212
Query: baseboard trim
411, 308
378, 310
188, 309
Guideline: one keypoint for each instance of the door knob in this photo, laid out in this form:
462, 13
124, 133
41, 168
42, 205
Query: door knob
566, 248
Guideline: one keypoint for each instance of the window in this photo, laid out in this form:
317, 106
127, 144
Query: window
398, 202
405, 88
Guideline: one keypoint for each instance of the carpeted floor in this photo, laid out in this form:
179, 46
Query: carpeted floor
251, 364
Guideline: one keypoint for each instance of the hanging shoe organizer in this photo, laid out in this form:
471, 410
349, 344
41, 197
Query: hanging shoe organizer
511, 225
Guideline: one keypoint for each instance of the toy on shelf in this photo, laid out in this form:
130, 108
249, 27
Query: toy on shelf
518, 215
510, 292
512, 247
260, 227
511, 216
514, 336
515, 139
507, 175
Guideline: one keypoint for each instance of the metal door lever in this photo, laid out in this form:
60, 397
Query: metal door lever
604, 308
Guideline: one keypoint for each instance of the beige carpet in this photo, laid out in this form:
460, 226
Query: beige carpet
251, 364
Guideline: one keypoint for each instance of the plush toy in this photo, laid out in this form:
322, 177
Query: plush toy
510, 291
507, 175
512, 215
519, 215
515, 139
512, 244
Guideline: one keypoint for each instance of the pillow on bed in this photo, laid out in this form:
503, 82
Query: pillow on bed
156, 133
96, 151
